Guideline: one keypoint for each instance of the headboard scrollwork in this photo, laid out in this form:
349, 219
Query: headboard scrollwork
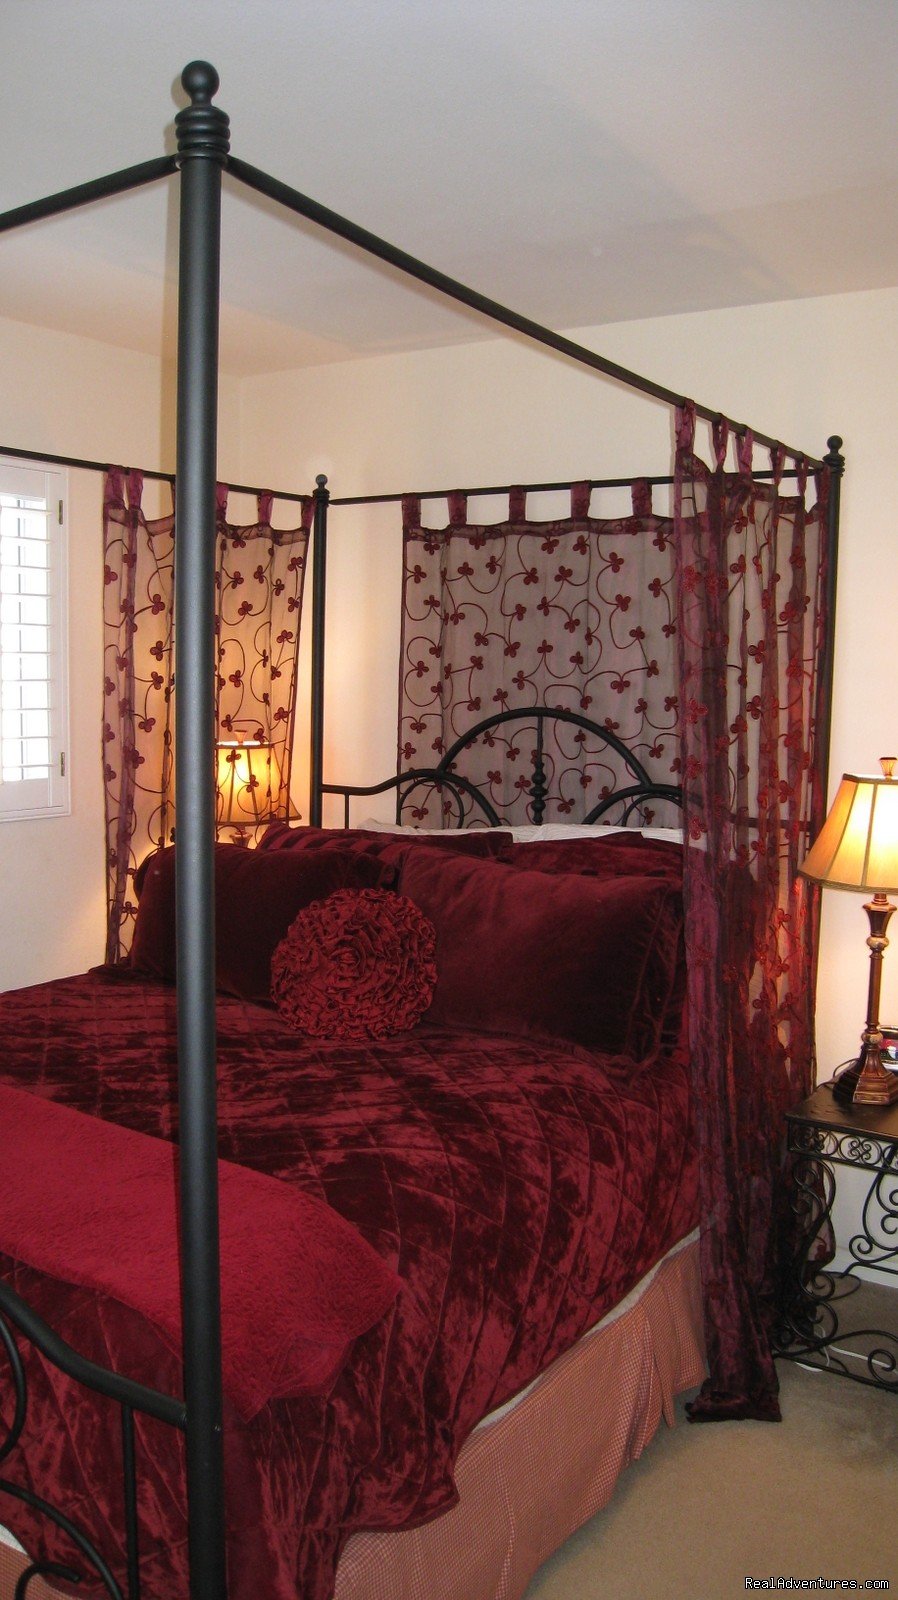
463, 803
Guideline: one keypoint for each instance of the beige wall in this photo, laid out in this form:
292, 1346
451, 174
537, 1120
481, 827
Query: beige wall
76, 397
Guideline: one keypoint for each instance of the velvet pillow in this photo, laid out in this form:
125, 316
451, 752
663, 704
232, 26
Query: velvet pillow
358, 965
604, 856
368, 841
596, 961
256, 899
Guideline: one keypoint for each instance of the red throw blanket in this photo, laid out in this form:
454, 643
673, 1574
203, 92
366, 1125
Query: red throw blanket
93, 1204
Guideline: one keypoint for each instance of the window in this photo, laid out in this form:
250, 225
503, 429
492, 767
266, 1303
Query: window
33, 696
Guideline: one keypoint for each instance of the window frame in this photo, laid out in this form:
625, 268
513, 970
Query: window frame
27, 799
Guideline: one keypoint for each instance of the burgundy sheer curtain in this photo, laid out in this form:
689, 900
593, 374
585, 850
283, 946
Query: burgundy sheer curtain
751, 644
259, 583
702, 641
576, 613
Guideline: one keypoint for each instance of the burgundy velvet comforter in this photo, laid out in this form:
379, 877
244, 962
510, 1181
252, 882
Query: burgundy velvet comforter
519, 1188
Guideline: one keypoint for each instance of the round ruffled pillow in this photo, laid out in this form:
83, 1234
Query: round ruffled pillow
357, 965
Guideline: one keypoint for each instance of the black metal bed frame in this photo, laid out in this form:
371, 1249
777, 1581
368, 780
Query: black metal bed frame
203, 154
130, 1397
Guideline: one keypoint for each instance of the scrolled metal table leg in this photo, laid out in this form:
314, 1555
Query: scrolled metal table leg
807, 1319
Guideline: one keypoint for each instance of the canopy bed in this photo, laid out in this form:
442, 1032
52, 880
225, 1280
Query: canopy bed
309, 1433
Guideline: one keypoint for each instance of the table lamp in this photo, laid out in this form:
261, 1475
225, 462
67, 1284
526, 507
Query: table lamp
857, 848
243, 783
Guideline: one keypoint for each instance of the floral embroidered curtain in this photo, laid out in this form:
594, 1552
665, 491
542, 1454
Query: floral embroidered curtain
752, 642
702, 641
577, 613
259, 586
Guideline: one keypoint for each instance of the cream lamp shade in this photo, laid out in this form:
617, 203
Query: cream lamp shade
243, 781
857, 847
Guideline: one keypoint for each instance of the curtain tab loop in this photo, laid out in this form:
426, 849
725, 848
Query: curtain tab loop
113, 486
685, 425
264, 503
517, 504
720, 434
641, 494
581, 494
745, 449
801, 467
411, 512
221, 506
307, 516
777, 460
135, 486
458, 508
135, 496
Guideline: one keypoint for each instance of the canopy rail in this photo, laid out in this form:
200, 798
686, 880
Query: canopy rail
84, 194
84, 464
155, 474
656, 480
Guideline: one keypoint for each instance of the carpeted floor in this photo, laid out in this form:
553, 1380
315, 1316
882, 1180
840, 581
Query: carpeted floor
706, 1507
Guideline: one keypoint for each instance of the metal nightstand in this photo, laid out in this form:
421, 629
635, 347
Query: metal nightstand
825, 1315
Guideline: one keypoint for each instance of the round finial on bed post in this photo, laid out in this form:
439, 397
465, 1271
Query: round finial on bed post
321, 481
202, 128
200, 80
835, 460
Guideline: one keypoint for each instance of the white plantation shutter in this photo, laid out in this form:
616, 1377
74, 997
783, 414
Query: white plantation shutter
33, 701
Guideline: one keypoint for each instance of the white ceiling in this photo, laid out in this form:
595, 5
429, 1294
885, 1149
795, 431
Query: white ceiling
584, 161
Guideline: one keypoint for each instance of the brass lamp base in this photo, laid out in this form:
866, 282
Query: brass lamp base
867, 1082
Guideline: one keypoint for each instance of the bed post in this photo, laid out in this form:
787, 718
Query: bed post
319, 597
202, 131
836, 463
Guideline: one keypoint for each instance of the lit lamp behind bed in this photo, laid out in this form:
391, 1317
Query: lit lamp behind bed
857, 848
244, 784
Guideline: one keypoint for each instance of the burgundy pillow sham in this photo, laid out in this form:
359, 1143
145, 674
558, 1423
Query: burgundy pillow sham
358, 965
469, 842
573, 957
605, 856
257, 897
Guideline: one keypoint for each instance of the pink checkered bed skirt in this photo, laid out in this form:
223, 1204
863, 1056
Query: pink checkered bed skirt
542, 1466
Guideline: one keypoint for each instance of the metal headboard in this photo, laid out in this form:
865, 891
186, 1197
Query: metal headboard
445, 778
